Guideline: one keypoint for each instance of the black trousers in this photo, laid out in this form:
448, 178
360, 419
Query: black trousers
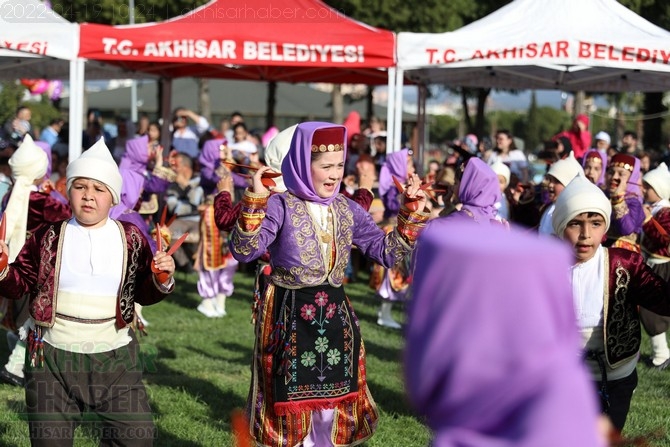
103, 390
620, 393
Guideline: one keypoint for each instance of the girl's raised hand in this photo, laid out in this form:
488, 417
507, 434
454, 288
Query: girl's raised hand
414, 193
258, 186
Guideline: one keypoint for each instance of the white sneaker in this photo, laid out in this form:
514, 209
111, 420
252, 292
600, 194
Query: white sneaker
208, 309
384, 317
389, 323
220, 305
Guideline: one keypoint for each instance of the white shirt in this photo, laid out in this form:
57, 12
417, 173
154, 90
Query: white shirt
588, 290
546, 226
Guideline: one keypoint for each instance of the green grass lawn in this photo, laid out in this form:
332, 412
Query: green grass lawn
198, 371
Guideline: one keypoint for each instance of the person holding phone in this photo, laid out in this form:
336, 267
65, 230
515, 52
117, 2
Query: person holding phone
185, 138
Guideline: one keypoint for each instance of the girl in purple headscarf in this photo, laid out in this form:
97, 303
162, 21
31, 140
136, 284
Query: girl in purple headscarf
308, 377
518, 379
141, 183
391, 285
622, 183
216, 267
595, 166
137, 159
399, 165
478, 193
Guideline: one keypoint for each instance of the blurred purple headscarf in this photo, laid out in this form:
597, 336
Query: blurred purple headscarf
296, 167
132, 168
496, 362
479, 191
394, 166
136, 156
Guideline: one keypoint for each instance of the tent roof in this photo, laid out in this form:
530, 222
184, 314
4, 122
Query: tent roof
285, 40
37, 43
594, 45
31, 27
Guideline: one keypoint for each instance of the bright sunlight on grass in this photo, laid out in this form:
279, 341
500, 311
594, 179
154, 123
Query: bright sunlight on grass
197, 370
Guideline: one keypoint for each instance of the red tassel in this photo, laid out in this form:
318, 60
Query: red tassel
240, 428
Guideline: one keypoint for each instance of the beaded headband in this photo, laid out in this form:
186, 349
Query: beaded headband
623, 161
595, 155
330, 139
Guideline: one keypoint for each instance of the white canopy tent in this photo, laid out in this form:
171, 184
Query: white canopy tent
37, 43
592, 45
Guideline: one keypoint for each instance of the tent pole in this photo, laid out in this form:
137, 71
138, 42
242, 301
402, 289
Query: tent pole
76, 108
390, 111
399, 84
166, 111
421, 124
133, 85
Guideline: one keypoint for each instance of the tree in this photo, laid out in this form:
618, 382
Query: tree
11, 96
658, 13
117, 12
532, 125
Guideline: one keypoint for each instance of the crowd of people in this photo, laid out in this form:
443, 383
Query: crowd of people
86, 246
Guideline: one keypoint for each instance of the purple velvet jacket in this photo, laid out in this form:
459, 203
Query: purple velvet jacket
630, 283
627, 219
289, 234
37, 267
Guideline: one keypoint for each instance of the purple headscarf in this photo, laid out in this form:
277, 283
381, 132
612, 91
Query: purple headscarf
592, 153
394, 166
496, 362
132, 186
209, 159
633, 187
136, 156
479, 191
296, 167
635, 180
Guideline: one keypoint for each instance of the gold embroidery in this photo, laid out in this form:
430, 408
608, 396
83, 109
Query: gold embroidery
165, 173
620, 210
622, 332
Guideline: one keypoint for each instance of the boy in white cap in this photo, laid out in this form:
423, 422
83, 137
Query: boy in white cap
557, 178
608, 285
30, 206
654, 243
504, 175
83, 275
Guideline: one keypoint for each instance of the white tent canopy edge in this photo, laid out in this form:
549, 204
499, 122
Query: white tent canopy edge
34, 39
592, 45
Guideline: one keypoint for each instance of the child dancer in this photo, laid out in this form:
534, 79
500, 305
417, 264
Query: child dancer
654, 243
30, 206
622, 184
529, 391
608, 285
392, 285
216, 267
309, 360
83, 276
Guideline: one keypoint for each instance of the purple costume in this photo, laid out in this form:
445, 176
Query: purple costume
394, 166
518, 379
217, 267
627, 215
132, 186
304, 316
